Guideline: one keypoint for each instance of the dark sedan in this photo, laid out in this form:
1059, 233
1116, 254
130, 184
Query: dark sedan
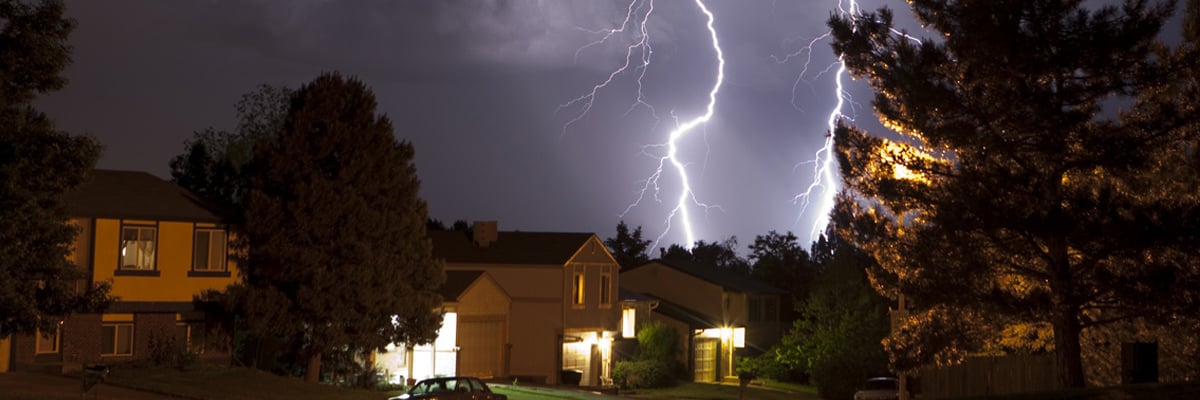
451, 388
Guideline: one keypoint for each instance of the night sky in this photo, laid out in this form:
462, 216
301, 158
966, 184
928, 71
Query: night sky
476, 86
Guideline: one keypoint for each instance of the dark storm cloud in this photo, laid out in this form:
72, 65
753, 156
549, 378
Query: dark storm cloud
475, 86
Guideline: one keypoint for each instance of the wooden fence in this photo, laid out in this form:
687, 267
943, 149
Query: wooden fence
977, 376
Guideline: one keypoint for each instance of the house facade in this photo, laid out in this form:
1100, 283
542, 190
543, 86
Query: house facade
471, 341
158, 247
562, 308
720, 315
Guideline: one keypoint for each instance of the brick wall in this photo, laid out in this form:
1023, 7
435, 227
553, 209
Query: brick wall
80, 341
146, 325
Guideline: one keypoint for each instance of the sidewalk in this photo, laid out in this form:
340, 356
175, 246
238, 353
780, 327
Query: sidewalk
38, 386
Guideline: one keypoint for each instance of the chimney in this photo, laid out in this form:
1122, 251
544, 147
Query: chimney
484, 233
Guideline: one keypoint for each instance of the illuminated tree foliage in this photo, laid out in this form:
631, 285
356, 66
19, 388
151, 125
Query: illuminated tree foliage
1047, 171
336, 232
38, 164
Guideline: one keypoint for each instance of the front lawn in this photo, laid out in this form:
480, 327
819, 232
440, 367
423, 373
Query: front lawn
233, 384
711, 391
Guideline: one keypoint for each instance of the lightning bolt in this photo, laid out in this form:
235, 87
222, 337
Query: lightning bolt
637, 57
819, 194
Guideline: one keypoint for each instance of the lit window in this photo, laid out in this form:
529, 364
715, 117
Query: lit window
606, 288
47, 342
577, 297
628, 322
137, 248
116, 339
209, 250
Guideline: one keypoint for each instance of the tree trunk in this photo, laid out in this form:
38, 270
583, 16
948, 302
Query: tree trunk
314, 368
1066, 346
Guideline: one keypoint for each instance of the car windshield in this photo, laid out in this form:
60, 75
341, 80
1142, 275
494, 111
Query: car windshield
881, 384
426, 387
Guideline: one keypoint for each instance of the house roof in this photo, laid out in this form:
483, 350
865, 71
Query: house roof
457, 282
135, 195
545, 248
694, 319
727, 280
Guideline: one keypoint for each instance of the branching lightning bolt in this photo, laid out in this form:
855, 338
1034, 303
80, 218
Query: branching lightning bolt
818, 196
637, 56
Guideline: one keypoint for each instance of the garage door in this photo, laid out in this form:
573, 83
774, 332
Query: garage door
481, 347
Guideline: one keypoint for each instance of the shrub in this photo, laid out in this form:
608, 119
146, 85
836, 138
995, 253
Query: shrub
644, 374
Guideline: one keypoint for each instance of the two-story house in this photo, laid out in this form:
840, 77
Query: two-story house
159, 247
716, 312
561, 295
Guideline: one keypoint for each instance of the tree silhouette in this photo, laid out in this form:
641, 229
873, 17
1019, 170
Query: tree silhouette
38, 165
338, 252
628, 247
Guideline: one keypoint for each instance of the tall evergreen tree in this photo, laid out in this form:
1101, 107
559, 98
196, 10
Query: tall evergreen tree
338, 254
38, 164
628, 247
1014, 193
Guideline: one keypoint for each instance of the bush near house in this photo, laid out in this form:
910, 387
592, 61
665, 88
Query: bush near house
656, 364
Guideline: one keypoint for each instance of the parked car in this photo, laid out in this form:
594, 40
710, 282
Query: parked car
451, 388
882, 388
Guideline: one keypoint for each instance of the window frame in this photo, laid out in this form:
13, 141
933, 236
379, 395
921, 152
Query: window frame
223, 265
116, 326
121, 250
606, 286
579, 287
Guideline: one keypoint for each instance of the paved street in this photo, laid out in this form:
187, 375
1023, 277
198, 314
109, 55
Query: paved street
31, 386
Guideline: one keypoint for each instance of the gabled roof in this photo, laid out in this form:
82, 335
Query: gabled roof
727, 280
694, 319
457, 282
135, 195
541, 248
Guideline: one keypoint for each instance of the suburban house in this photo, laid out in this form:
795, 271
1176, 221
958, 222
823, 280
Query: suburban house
719, 315
471, 341
159, 247
535, 306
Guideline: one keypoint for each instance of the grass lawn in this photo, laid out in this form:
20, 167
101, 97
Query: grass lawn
536, 393
233, 384
710, 391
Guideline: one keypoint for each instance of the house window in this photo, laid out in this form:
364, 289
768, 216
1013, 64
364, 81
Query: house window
754, 307
138, 248
606, 288
116, 339
628, 322
577, 292
47, 342
209, 250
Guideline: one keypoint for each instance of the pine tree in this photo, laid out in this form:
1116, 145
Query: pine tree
38, 164
1015, 196
338, 252
628, 248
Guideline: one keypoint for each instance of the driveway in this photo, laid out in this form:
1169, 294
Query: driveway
31, 386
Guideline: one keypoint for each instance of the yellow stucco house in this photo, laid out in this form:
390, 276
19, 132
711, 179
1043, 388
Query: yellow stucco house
158, 246
524, 305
